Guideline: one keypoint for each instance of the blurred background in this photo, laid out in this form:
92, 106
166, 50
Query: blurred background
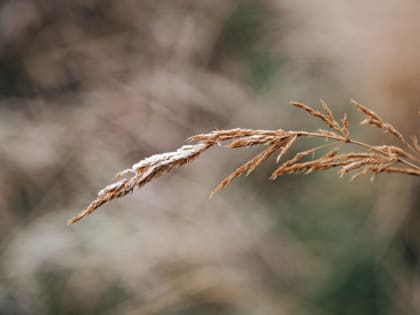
89, 87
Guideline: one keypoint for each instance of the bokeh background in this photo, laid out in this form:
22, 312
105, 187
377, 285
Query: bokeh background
89, 87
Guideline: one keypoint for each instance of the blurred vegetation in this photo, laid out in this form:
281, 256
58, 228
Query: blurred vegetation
89, 87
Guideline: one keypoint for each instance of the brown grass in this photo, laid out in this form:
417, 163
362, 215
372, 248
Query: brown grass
403, 159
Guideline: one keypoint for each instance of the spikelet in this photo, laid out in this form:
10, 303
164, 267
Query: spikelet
415, 144
247, 167
345, 126
374, 119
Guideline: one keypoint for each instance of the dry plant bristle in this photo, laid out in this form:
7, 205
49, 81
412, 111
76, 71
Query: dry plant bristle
415, 143
330, 117
345, 126
313, 112
372, 160
374, 119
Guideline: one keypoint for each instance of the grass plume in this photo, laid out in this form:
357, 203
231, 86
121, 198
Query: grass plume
403, 159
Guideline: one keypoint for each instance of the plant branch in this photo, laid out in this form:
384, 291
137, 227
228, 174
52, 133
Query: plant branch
373, 161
